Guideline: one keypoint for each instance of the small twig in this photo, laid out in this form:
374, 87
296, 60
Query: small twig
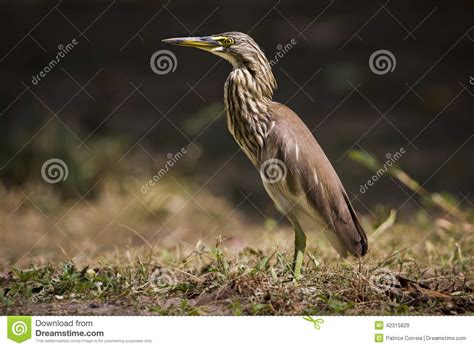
386, 224
435, 198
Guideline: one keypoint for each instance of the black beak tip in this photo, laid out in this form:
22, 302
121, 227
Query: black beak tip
171, 41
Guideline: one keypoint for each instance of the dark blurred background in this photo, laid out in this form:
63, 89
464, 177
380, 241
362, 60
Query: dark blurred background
127, 118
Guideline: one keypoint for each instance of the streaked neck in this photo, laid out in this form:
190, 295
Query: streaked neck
247, 97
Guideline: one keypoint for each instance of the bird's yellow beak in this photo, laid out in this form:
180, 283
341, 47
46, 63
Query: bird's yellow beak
202, 42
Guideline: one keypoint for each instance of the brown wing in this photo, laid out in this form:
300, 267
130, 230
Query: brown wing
316, 176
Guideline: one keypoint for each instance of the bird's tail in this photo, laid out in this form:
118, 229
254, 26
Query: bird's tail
358, 244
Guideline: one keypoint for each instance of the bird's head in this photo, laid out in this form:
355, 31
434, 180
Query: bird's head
237, 48
240, 50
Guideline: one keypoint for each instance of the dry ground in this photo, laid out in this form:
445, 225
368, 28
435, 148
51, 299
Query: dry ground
163, 253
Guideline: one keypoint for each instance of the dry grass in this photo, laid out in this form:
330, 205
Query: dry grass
125, 252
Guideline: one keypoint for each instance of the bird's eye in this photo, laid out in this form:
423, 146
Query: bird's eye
228, 41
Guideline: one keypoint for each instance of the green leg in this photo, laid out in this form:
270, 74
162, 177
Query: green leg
300, 246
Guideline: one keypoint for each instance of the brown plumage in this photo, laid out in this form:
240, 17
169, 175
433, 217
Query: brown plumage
313, 175
295, 171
